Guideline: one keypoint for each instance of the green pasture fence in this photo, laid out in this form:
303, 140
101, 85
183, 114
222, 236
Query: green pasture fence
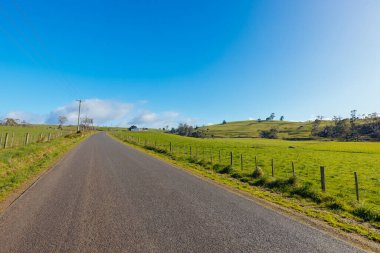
225, 156
12, 140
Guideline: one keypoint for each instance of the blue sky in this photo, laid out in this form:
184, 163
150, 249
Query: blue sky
157, 63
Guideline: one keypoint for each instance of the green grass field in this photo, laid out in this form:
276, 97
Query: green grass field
341, 160
37, 133
252, 128
18, 164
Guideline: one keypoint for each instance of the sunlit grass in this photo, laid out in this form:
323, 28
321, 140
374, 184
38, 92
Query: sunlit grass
341, 160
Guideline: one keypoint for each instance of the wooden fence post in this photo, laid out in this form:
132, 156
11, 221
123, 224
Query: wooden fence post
241, 162
26, 138
272, 167
323, 182
231, 159
49, 137
255, 162
356, 186
191, 152
293, 170
6, 140
220, 159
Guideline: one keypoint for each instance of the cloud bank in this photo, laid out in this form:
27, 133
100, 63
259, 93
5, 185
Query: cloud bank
102, 111
106, 113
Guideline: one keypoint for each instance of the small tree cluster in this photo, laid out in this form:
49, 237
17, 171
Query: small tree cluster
269, 134
271, 117
187, 130
10, 122
87, 123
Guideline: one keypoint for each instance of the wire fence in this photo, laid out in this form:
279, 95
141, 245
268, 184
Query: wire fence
13, 139
352, 184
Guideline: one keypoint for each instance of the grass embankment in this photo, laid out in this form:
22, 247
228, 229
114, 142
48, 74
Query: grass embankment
252, 129
337, 206
17, 165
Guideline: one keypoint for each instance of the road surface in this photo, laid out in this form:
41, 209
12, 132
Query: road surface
107, 197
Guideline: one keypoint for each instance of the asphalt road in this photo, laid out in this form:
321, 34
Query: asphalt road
107, 197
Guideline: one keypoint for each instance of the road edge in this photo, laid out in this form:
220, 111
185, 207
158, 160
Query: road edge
25, 186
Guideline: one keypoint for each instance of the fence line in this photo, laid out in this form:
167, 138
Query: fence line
9, 139
192, 152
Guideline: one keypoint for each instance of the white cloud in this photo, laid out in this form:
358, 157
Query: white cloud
157, 120
144, 118
102, 111
27, 116
108, 113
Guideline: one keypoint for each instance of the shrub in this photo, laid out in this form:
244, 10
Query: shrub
258, 172
366, 213
306, 191
223, 169
269, 134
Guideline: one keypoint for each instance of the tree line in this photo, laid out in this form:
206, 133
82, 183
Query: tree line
356, 127
184, 129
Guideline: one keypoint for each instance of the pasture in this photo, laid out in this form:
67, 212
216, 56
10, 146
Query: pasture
17, 136
340, 159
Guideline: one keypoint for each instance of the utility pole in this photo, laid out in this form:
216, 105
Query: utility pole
80, 102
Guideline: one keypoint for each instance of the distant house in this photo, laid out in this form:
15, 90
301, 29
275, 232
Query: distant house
134, 129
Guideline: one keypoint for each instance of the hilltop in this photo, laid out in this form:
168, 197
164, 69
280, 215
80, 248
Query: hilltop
252, 129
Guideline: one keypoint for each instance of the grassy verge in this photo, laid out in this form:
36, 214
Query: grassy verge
288, 193
18, 165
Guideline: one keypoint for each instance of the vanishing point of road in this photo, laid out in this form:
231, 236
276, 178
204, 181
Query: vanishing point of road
107, 197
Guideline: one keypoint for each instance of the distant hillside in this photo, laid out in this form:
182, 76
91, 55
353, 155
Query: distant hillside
252, 128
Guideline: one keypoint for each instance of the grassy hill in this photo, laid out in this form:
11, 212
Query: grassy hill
252, 129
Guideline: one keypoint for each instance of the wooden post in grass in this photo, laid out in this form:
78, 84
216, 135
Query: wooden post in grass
191, 152
256, 162
26, 138
170, 147
40, 137
49, 137
323, 182
241, 162
6, 140
272, 167
293, 170
356, 186
220, 159
231, 159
